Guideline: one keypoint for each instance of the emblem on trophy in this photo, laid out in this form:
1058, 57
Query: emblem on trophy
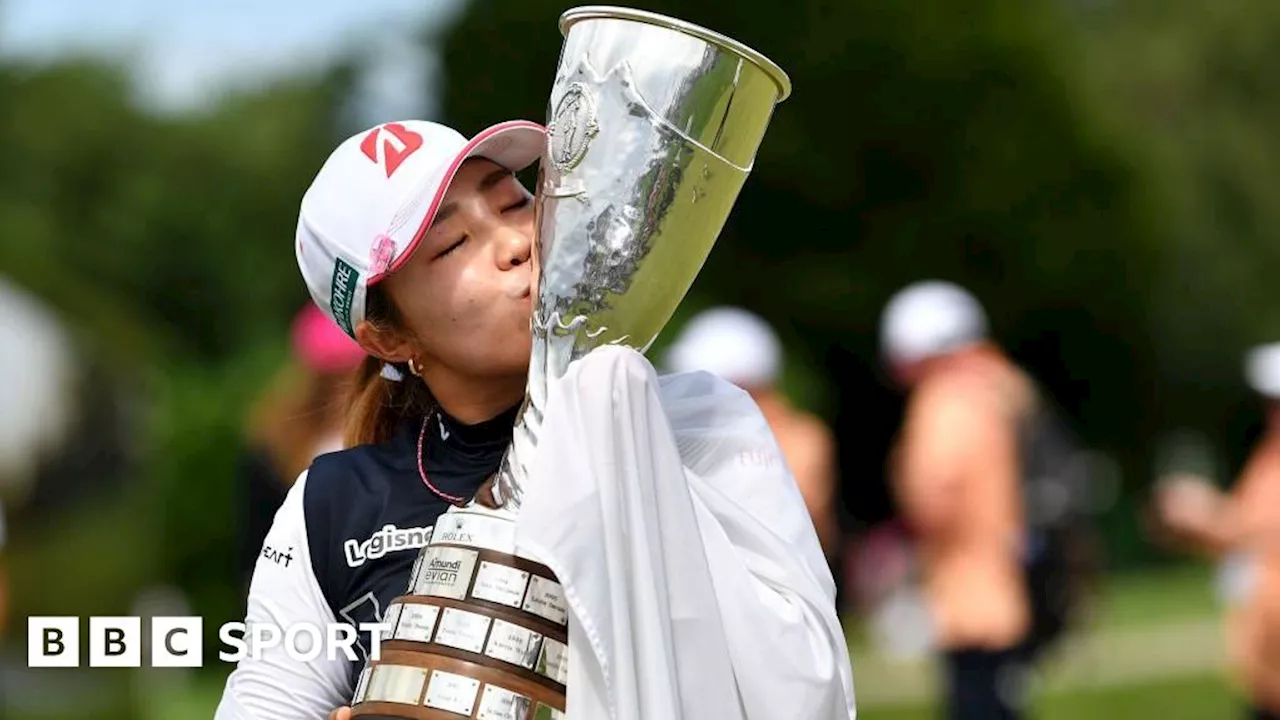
573, 125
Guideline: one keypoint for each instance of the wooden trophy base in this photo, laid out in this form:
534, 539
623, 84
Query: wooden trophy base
480, 634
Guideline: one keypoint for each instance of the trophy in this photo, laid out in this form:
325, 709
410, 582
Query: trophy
654, 124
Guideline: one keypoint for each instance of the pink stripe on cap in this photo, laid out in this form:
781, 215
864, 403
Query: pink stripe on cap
321, 345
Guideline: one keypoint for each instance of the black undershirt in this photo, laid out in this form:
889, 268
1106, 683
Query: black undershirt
457, 457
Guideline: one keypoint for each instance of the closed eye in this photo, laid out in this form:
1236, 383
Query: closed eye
452, 247
520, 204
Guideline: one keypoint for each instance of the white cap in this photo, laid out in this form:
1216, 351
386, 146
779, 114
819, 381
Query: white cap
377, 194
731, 343
1262, 369
930, 318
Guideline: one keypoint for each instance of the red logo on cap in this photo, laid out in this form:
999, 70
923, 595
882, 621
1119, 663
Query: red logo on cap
393, 153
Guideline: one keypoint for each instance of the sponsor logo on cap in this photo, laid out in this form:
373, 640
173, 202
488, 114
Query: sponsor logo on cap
398, 143
342, 294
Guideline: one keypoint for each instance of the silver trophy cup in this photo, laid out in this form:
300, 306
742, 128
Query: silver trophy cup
653, 126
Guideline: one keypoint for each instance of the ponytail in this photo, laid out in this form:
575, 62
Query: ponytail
376, 405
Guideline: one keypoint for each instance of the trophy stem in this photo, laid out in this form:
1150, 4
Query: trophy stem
513, 473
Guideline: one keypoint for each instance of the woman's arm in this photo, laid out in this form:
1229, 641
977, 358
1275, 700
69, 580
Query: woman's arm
272, 685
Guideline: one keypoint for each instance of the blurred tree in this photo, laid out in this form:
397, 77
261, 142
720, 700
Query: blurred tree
1194, 80
167, 244
185, 219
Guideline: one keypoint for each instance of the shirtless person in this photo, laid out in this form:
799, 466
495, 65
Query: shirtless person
1243, 525
740, 347
956, 480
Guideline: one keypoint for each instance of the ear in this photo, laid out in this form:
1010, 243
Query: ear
386, 345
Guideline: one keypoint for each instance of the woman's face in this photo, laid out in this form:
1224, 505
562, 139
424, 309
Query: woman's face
465, 294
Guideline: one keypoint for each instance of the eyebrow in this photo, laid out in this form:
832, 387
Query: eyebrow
486, 182
495, 177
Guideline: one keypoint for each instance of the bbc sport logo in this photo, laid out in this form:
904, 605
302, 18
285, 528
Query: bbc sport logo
178, 642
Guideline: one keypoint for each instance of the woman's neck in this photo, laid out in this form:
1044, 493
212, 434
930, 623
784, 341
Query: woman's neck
473, 403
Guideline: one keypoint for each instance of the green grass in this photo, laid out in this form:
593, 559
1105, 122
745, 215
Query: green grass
1198, 698
1134, 599
1155, 596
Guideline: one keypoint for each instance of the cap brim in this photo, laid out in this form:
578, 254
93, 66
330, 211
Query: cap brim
515, 145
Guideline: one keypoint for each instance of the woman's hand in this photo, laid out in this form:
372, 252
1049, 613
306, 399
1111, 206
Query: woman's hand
342, 713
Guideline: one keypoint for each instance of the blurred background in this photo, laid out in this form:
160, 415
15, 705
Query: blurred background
1102, 175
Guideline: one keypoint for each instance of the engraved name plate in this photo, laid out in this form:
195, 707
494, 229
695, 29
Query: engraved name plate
453, 693
362, 685
500, 584
511, 643
463, 630
475, 530
392, 618
397, 684
553, 662
498, 703
546, 598
445, 572
417, 622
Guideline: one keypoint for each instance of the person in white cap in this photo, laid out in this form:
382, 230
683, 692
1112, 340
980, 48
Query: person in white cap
974, 426
1243, 529
741, 347
695, 583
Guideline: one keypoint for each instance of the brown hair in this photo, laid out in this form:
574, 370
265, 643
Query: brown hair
377, 405
292, 415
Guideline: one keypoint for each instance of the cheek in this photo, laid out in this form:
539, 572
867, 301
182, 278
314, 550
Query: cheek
467, 314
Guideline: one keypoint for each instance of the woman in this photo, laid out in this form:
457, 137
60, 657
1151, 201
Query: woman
419, 244
300, 417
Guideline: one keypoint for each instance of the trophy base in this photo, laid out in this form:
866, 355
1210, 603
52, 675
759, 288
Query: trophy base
482, 632
402, 713
394, 712
399, 712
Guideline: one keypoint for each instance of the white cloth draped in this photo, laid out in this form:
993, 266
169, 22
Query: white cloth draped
696, 584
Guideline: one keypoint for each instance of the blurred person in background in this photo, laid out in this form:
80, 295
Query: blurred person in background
741, 347
1242, 529
981, 475
299, 417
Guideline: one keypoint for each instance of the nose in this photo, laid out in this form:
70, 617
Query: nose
515, 247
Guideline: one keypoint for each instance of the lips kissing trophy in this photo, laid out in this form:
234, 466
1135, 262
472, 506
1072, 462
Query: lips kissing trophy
654, 124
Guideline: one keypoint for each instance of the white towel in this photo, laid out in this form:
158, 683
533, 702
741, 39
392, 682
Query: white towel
696, 584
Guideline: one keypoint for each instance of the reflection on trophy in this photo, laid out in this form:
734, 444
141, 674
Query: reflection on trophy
654, 124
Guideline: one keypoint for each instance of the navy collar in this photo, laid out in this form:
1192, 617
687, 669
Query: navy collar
457, 457
485, 435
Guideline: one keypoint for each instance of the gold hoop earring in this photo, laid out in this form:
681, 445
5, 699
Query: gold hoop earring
413, 368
